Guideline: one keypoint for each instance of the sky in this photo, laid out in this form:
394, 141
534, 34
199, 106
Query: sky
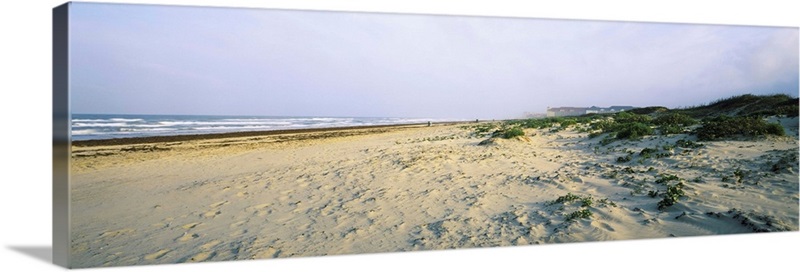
142, 59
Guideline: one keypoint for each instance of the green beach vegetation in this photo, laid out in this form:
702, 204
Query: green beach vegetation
733, 117
724, 127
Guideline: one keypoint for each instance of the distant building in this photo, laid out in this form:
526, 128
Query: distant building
535, 115
575, 111
565, 111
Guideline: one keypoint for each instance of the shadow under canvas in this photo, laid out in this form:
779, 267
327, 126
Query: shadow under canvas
42, 253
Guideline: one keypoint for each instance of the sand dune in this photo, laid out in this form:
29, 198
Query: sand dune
415, 188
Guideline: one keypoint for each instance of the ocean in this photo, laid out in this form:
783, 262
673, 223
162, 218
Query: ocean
107, 126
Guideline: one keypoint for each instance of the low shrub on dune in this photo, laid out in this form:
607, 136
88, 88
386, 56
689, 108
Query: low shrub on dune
675, 119
634, 131
673, 123
511, 133
725, 127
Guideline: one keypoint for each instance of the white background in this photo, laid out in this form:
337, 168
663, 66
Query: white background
25, 214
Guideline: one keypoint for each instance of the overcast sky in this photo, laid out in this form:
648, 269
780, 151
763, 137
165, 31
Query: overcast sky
139, 59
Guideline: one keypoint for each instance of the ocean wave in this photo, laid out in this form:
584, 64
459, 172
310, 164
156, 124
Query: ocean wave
129, 120
229, 127
85, 132
258, 119
100, 124
146, 129
89, 120
126, 120
117, 125
330, 119
220, 123
98, 127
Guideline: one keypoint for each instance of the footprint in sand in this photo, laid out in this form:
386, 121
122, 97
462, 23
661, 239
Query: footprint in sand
187, 236
285, 195
607, 227
259, 210
202, 256
238, 224
115, 233
237, 233
156, 255
209, 245
236, 229
160, 225
190, 225
214, 212
218, 204
210, 214
270, 252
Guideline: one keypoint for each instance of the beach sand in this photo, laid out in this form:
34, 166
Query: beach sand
407, 188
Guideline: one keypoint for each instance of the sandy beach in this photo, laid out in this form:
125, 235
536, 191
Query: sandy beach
408, 188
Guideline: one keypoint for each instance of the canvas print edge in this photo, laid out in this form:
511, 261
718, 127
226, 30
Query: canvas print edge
54, 159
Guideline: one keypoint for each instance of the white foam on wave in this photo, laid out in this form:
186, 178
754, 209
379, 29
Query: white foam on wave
99, 125
228, 127
219, 123
89, 120
126, 120
84, 132
110, 120
145, 129
257, 119
330, 119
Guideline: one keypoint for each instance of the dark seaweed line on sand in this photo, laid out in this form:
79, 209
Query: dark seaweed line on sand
191, 137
